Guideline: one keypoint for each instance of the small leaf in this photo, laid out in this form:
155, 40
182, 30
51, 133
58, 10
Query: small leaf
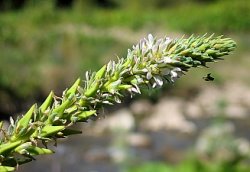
24, 121
124, 87
92, 89
61, 108
50, 130
86, 114
73, 88
22, 148
8, 146
99, 74
47, 102
34, 150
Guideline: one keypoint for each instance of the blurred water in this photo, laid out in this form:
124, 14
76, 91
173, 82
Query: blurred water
91, 153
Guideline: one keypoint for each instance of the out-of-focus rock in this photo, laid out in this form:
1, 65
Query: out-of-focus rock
139, 140
119, 120
141, 107
193, 110
236, 111
237, 93
208, 99
118, 155
167, 114
233, 99
96, 154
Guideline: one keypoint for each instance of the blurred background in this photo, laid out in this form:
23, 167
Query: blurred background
191, 126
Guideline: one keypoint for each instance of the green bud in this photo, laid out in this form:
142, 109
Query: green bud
85, 115
50, 130
172, 49
116, 76
73, 88
34, 150
4, 148
211, 52
47, 102
93, 89
112, 87
24, 121
124, 87
127, 63
60, 109
22, 148
99, 74
203, 47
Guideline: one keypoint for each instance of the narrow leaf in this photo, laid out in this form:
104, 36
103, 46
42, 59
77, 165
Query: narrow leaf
50, 130
33, 150
8, 146
73, 88
24, 121
47, 102
86, 114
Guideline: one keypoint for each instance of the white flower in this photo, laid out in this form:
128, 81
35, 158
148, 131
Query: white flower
175, 73
167, 59
150, 41
158, 80
149, 75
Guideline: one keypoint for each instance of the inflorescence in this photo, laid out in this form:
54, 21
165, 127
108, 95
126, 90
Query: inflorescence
151, 63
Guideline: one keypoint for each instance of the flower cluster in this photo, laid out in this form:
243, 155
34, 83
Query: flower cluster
149, 63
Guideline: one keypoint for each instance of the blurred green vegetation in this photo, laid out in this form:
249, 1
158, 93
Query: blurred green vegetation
189, 165
45, 45
39, 40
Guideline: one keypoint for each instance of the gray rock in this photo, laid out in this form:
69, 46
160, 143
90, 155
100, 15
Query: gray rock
141, 107
166, 115
138, 140
119, 120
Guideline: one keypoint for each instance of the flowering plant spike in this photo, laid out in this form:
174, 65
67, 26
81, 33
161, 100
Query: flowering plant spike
149, 63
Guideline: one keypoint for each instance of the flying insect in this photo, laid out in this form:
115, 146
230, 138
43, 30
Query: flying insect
208, 77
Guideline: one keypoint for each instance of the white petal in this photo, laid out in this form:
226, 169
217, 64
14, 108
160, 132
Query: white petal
154, 85
177, 69
150, 38
155, 48
140, 80
107, 102
173, 74
149, 75
167, 59
167, 40
158, 80
109, 66
117, 100
133, 89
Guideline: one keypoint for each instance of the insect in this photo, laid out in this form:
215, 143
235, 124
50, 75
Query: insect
208, 77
